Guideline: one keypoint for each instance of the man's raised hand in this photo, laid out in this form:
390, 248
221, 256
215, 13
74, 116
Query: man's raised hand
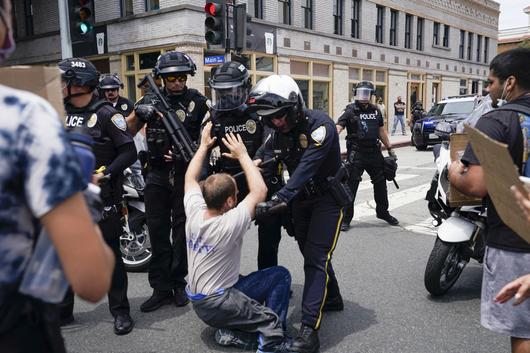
206, 137
236, 146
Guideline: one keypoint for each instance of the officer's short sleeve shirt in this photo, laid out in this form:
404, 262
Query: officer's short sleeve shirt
38, 171
114, 125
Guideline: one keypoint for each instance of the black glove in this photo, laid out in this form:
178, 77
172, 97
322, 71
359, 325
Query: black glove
145, 112
392, 154
269, 208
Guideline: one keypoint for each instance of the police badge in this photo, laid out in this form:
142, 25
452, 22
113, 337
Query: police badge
251, 126
181, 115
302, 139
92, 120
124, 106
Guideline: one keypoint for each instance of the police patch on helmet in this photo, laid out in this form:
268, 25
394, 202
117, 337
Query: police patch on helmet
92, 120
181, 115
302, 139
191, 106
119, 121
124, 106
319, 135
251, 126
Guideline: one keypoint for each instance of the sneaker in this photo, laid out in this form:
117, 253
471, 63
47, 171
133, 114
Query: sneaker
344, 227
282, 347
334, 304
389, 219
306, 341
244, 340
158, 299
181, 299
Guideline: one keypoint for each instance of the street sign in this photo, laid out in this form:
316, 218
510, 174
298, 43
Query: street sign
214, 60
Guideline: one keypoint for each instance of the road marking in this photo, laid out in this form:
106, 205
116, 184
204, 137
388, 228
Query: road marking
395, 200
423, 227
413, 167
367, 184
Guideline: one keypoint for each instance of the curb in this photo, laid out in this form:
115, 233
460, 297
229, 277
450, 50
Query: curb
394, 145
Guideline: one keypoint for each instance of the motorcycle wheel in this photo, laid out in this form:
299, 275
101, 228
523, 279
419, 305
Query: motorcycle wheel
444, 266
135, 247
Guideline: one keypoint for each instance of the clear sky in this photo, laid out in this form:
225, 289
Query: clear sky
512, 14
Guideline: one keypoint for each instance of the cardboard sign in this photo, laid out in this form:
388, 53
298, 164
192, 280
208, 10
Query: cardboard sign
456, 198
41, 80
500, 174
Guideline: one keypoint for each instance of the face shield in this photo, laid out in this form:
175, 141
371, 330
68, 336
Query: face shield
363, 94
226, 96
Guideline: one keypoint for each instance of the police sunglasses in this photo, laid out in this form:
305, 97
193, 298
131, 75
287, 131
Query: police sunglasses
180, 78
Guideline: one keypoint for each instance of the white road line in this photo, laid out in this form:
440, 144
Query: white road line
367, 184
423, 227
395, 200
413, 167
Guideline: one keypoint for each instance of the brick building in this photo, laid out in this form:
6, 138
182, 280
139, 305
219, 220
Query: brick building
417, 49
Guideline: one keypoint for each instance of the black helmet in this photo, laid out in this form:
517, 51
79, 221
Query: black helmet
174, 62
230, 85
79, 72
110, 82
363, 91
275, 96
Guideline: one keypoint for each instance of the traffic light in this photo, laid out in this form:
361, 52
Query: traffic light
241, 19
81, 15
215, 23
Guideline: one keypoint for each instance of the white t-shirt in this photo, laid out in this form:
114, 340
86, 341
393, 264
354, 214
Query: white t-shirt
213, 245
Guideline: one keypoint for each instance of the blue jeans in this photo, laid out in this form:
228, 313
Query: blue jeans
399, 118
270, 286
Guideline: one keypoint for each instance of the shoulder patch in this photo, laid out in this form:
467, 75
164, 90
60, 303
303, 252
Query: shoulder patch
119, 121
319, 135
209, 103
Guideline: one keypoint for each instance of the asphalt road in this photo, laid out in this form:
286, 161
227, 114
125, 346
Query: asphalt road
380, 271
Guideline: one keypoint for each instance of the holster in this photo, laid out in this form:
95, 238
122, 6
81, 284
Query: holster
339, 189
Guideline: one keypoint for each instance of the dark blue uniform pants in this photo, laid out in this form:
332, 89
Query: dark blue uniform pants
372, 162
316, 227
165, 214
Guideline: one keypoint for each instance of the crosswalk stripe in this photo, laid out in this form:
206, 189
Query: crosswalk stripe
413, 167
395, 200
367, 184
423, 227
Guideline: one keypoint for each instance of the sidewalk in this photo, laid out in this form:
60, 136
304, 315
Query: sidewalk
397, 141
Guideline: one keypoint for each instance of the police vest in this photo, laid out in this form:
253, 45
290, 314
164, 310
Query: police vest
363, 124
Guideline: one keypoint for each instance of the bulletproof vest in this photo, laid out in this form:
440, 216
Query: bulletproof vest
363, 124
247, 126
291, 146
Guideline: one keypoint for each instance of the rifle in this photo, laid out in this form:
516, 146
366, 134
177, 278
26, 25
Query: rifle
262, 164
180, 138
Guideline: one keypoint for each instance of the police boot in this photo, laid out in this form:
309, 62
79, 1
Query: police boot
158, 299
123, 324
181, 299
306, 341
389, 219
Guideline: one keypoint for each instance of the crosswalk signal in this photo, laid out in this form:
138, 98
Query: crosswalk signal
215, 23
81, 15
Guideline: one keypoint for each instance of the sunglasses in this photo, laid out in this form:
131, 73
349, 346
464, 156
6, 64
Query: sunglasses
180, 78
111, 90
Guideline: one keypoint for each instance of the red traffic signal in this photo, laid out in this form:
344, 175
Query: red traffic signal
213, 9
214, 24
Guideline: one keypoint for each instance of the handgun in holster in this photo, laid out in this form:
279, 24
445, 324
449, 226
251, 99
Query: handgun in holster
338, 187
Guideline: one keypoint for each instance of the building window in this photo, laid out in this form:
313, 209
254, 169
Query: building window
151, 5
127, 8
314, 81
486, 49
258, 9
377, 77
284, 11
338, 9
445, 40
356, 18
436, 34
408, 31
307, 9
463, 87
479, 47
462, 43
419, 34
469, 45
380, 26
28, 17
393, 27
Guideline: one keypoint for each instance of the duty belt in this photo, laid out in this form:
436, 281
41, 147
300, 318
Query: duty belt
366, 149
314, 189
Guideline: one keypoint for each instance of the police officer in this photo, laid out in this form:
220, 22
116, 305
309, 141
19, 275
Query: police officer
230, 84
311, 149
114, 150
365, 127
164, 191
109, 86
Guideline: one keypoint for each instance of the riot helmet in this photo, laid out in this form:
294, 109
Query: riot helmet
174, 63
110, 82
363, 91
230, 84
275, 97
78, 72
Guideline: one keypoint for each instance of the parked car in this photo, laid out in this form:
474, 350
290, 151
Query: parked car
449, 110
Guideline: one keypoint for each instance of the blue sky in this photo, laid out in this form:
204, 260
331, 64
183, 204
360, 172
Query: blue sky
512, 14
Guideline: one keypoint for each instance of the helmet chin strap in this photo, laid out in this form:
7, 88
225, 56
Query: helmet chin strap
73, 95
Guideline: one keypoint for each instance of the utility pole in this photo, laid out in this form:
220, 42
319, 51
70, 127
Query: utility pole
64, 25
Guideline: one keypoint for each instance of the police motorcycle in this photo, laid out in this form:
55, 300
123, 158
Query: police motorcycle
135, 244
461, 232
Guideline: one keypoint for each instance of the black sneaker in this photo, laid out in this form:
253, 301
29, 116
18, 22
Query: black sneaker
281, 347
306, 341
389, 219
181, 299
158, 299
236, 338
123, 324
344, 227
334, 304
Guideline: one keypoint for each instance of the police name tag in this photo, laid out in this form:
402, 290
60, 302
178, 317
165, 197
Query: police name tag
119, 121
319, 135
